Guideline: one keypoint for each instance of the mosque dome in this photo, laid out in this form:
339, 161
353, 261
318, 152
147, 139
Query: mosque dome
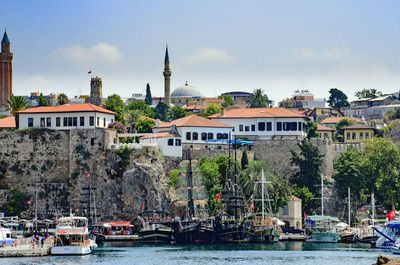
185, 91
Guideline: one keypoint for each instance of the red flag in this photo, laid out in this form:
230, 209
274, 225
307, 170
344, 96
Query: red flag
29, 202
391, 215
305, 216
362, 209
218, 196
172, 205
252, 206
87, 175
89, 72
76, 210
142, 207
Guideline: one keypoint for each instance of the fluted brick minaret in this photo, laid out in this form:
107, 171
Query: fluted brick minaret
5, 72
167, 78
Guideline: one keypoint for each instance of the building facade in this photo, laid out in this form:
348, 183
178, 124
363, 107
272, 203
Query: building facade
357, 133
6, 58
66, 117
372, 108
263, 123
303, 99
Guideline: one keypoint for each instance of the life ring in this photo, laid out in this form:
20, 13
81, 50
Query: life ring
33, 244
15, 244
151, 219
156, 219
169, 219
26, 241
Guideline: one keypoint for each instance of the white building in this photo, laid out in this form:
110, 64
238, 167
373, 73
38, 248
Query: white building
169, 143
263, 122
66, 117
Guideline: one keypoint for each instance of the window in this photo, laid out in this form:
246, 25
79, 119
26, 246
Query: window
241, 128
58, 122
104, 122
92, 141
69, 121
269, 126
348, 136
75, 120
366, 135
361, 135
203, 136
178, 142
299, 126
325, 135
48, 122
188, 136
210, 136
65, 122
253, 128
220, 136
170, 142
98, 121
261, 126
353, 135
279, 126
195, 136
42, 122
247, 128
91, 121
286, 126
30, 122
293, 126
225, 136
81, 121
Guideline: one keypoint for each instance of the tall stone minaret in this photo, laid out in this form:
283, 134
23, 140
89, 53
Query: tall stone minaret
5, 72
167, 78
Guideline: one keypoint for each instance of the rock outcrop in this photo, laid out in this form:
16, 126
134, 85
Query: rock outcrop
387, 260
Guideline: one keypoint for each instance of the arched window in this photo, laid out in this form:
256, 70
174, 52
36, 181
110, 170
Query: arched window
203, 136
188, 136
195, 136
210, 136
219, 136
225, 136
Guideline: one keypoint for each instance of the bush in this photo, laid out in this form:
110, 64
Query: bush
124, 153
174, 178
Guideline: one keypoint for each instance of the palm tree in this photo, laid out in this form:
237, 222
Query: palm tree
133, 116
251, 175
258, 99
16, 103
62, 99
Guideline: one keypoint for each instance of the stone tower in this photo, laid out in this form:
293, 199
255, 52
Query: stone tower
167, 78
96, 91
5, 72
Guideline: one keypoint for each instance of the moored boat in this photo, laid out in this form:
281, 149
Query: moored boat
322, 229
155, 228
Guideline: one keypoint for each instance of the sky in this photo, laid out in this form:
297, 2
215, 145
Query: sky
217, 46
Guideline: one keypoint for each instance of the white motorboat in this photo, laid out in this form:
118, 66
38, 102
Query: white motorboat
322, 229
72, 237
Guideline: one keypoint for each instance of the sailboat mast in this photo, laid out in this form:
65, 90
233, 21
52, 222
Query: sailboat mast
236, 191
373, 208
229, 160
348, 191
322, 194
262, 193
190, 184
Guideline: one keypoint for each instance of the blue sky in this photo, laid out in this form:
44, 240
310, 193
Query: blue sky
218, 46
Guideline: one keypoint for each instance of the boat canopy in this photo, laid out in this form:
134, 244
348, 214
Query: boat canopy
117, 223
238, 141
322, 218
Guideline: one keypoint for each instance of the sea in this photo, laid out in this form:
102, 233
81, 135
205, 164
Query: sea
278, 253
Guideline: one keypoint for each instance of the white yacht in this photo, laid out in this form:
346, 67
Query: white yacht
72, 237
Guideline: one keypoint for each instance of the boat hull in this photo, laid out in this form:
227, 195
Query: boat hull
238, 234
323, 237
266, 236
70, 250
155, 236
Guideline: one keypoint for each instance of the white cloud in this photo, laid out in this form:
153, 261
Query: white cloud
334, 53
38, 80
99, 53
208, 55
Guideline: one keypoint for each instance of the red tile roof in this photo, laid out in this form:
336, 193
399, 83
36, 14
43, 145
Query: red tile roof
294, 198
85, 107
160, 135
193, 107
321, 127
7, 122
334, 120
258, 113
193, 121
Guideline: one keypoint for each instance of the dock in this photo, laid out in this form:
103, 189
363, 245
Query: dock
293, 237
24, 251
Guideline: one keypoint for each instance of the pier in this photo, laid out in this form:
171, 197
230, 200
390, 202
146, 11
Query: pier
24, 251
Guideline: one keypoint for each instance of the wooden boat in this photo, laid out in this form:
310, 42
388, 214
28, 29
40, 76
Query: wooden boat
155, 228
72, 237
116, 231
322, 229
194, 232
265, 231
234, 231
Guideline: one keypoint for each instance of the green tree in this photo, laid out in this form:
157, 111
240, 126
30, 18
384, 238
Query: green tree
145, 125
305, 195
309, 162
132, 117
368, 93
228, 100
339, 128
115, 103
258, 99
148, 100
349, 173
16, 103
161, 111
17, 202
337, 99
62, 99
382, 170
176, 112
245, 160
211, 109
141, 105
312, 130
42, 101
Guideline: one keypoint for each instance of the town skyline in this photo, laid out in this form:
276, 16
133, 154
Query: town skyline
217, 48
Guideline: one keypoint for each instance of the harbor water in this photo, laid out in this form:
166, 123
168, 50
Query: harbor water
278, 253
